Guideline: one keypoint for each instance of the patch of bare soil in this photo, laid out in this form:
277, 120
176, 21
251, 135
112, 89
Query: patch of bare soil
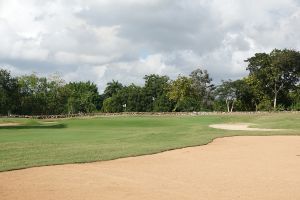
10, 124
240, 127
243, 168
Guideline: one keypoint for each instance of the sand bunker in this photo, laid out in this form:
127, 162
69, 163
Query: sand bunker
48, 122
244, 168
241, 127
10, 124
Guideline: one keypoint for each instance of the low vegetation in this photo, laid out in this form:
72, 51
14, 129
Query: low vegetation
79, 140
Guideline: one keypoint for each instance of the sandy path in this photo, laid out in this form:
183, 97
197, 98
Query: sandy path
244, 168
241, 127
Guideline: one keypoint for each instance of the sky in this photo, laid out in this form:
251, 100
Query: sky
104, 40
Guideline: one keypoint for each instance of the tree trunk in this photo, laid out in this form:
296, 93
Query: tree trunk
175, 108
275, 98
227, 104
276, 90
232, 106
275, 101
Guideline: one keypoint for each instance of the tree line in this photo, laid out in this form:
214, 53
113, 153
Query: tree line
272, 84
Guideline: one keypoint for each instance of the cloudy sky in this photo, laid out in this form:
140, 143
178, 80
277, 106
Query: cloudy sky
101, 40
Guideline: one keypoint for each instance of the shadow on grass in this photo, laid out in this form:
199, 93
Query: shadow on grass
39, 126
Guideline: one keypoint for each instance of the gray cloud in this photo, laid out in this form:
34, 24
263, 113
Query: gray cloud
164, 26
126, 39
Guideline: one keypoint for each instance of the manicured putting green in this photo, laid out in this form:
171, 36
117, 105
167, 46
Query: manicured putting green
39, 143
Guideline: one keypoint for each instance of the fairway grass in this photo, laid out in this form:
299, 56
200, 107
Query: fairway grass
79, 140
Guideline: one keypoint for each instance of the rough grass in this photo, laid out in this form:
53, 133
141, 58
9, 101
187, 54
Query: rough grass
36, 143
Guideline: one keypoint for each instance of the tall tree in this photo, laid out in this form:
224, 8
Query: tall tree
33, 92
8, 92
227, 92
295, 98
112, 88
183, 93
276, 72
83, 97
57, 96
155, 92
135, 99
201, 82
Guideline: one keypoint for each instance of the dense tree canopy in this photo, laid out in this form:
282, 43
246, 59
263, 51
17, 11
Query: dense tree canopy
83, 97
112, 88
272, 84
183, 93
9, 92
155, 93
201, 83
276, 73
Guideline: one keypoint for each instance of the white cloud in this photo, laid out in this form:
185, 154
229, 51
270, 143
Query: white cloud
126, 39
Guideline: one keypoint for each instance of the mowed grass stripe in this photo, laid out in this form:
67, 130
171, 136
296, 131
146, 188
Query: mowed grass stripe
36, 143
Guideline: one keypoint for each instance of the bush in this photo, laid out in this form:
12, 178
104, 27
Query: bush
111, 105
295, 106
265, 105
280, 107
163, 104
188, 104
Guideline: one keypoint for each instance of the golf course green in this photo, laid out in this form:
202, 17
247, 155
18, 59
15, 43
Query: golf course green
32, 143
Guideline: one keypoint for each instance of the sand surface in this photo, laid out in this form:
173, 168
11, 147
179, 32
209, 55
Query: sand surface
243, 168
241, 127
10, 124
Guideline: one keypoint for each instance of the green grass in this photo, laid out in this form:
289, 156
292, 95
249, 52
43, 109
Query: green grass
35, 143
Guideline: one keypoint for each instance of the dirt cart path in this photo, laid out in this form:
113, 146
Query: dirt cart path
260, 168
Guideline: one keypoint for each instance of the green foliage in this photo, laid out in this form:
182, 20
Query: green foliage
275, 73
132, 98
163, 104
129, 99
155, 92
156, 85
8, 92
188, 104
180, 91
295, 106
83, 97
112, 88
219, 105
273, 80
201, 83
280, 107
295, 98
227, 92
265, 105
33, 92
112, 105
42, 96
